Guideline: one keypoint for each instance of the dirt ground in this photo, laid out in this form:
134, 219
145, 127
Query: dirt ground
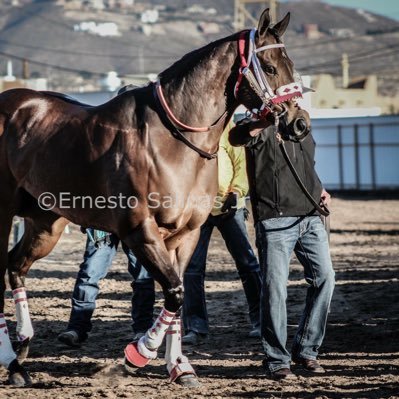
360, 351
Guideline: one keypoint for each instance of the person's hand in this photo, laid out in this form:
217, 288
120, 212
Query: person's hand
257, 126
229, 207
325, 198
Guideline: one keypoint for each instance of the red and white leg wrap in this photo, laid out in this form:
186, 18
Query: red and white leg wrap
176, 363
155, 335
140, 353
24, 324
7, 354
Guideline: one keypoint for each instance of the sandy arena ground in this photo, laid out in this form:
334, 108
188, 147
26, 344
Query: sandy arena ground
360, 352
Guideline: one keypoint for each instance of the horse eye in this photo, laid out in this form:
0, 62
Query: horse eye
270, 69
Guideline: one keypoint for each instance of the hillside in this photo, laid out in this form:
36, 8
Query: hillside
43, 33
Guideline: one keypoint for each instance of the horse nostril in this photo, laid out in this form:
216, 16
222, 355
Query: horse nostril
300, 126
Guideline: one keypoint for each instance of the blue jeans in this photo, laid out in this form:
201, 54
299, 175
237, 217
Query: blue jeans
235, 235
96, 263
277, 238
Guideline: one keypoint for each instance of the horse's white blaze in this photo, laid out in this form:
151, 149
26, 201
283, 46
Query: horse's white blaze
7, 355
24, 324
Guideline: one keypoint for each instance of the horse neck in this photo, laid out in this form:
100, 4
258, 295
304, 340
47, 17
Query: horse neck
199, 88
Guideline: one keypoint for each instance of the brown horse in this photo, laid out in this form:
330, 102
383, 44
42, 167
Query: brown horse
135, 150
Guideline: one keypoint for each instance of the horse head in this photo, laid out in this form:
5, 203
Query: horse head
268, 84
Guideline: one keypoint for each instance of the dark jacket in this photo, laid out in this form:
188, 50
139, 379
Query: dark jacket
273, 189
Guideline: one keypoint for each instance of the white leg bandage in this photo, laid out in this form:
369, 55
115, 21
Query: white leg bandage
24, 324
154, 336
7, 355
176, 363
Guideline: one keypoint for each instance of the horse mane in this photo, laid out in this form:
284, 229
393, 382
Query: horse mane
66, 98
190, 60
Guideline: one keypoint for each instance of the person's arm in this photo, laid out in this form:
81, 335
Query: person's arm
247, 132
238, 185
239, 181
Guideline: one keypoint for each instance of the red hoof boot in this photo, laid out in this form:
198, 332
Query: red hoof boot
133, 358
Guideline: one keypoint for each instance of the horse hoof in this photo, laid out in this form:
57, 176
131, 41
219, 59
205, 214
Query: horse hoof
22, 350
133, 358
18, 376
188, 381
130, 367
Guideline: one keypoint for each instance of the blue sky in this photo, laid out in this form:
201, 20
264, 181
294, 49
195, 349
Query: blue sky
389, 8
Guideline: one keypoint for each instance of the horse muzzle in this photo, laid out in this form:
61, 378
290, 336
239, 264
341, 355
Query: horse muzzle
297, 128
300, 126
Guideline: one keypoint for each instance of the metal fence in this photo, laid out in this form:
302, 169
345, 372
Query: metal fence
358, 153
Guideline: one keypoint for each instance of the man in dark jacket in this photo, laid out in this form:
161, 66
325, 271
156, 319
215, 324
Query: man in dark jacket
286, 222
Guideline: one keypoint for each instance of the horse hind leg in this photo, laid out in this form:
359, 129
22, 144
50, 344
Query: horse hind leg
8, 358
16, 260
39, 238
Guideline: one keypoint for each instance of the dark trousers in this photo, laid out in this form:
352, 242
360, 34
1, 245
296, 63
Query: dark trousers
235, 235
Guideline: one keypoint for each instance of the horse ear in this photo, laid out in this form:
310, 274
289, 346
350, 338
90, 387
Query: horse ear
264, 22
281, 26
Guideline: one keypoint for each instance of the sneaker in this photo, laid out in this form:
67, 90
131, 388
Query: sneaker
70, 338
311, 365
281, 374
193, 338
254, 333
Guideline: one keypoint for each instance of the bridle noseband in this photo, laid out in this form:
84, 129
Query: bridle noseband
257, 78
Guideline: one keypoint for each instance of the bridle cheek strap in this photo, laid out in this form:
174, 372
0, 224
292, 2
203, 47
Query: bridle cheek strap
243, 60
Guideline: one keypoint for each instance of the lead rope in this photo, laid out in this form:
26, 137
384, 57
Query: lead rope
322, 209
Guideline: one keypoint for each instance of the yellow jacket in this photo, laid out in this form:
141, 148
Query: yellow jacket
231, 173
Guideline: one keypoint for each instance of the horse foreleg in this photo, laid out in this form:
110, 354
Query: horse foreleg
149, 247
140, 353
179, 368
177, 364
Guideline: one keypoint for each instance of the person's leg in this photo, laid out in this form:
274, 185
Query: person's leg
95, 266
313, 252
277, 238
143, 297
195, 316
235, 235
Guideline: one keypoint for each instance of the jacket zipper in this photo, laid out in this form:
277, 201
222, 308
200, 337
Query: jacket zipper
275, 185
305, 180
